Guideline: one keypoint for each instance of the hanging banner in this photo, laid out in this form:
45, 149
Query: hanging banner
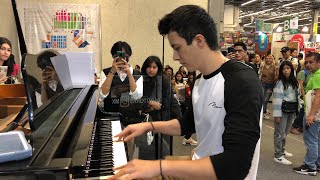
267, 27
294, 25
61, 27
291, 25
263, 42
315, 29
259, 25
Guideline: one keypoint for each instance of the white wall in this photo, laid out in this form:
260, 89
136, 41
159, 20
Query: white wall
133, 21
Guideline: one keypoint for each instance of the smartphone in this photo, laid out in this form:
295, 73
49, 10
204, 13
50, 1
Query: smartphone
121, 54
230, 49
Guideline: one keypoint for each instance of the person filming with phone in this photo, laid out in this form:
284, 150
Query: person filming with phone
121, 52
119, 84
50, 84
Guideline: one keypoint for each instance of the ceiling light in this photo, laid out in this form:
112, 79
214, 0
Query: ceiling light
305, 29
256, 13
292, 3
286, 15
304, 25
248, 2
279, 29
247, 24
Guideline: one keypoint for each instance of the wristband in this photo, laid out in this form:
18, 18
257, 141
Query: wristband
161, 169
153, 129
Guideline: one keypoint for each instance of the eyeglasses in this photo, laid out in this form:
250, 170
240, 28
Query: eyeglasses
308, 62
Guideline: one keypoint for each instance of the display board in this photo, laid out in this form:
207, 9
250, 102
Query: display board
62, 27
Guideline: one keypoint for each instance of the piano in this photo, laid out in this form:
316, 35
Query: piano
70, 139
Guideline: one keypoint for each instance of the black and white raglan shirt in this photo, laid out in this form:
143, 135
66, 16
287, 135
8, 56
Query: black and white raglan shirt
226, 117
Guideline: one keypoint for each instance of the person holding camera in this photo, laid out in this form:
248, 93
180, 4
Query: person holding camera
50, 84
285, 105
120, 73
120, 82
225, 112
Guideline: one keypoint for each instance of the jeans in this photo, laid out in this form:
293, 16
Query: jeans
281, 130
267, 90
311, 138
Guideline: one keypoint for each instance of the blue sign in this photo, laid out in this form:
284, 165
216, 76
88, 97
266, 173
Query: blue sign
263, 42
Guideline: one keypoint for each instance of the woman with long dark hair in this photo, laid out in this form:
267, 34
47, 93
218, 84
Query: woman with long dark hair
157, 99
7, 59
151, 69
286, 89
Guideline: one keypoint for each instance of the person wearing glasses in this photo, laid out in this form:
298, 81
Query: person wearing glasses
240, 54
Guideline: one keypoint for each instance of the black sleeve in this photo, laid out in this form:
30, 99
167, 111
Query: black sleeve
243, 103
187, 121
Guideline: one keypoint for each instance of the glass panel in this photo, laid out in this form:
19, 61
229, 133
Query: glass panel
43, 80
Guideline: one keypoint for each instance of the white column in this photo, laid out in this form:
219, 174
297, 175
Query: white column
315, 14
216, 11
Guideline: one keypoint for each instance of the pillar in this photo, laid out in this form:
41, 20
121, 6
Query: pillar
216, 11
314, 25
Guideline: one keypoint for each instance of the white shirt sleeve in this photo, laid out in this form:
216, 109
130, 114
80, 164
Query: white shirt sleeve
137, 94
103, 77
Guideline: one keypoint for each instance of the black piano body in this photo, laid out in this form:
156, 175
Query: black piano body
62, 127
61, 140
62, 131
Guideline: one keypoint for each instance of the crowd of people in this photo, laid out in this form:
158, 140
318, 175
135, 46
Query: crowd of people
286, 79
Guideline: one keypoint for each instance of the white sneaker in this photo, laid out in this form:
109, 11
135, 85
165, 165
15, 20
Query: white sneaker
287, 154
282, 160
189, 142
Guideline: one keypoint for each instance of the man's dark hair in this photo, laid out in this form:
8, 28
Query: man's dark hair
300, 55
242, 44
315, 55
293, 49
118, 46
170, 69
188, 21
43, 60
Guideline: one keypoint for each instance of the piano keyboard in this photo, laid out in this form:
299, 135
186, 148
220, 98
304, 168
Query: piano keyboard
104, 152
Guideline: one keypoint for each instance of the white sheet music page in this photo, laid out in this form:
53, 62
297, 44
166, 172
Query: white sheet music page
61, 66
81, 67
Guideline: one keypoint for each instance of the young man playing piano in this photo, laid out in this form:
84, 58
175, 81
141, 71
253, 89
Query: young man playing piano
227, 102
